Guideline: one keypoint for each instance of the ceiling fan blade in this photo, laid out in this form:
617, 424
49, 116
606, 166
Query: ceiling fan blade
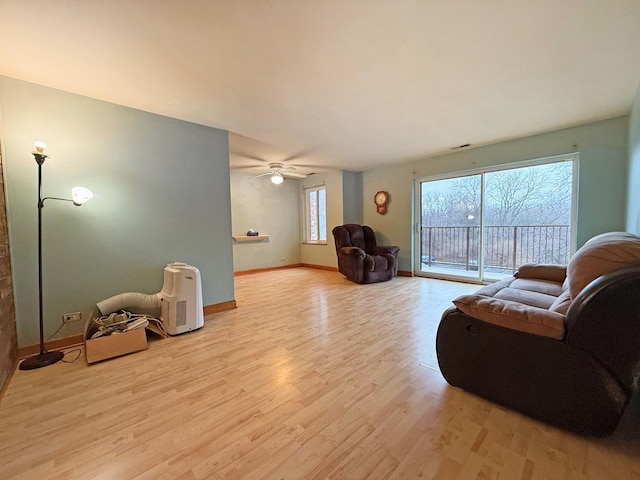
295, 156
247, 156
287, 173
248, 167
301, 166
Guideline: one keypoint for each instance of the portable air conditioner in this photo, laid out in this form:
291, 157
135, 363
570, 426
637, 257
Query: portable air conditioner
181, 297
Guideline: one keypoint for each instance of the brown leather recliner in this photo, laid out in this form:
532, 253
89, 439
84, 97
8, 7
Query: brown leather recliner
360, 259
558, 344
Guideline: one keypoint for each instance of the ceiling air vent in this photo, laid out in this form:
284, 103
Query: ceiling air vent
460, 146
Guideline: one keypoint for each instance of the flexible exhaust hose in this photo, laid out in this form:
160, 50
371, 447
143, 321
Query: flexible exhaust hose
129, 299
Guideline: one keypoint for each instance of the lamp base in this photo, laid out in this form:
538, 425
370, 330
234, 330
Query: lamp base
41, 360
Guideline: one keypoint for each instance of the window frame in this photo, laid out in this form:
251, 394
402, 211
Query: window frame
309, 215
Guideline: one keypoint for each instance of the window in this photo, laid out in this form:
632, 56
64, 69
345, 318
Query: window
316, 215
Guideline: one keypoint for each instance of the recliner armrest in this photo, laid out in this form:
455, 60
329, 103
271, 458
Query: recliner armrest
382, 249
352, 251
542, 271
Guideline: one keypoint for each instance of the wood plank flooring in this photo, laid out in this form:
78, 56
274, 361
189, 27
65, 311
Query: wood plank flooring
311, 377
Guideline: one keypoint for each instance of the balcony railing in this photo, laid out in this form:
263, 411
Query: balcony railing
506, 247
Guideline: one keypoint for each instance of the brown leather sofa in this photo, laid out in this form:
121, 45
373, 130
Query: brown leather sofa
360, 259
558, 344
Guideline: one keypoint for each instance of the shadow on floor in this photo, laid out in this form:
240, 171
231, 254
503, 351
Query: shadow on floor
626, 438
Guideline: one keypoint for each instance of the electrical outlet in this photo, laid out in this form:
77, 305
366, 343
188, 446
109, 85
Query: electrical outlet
71, 317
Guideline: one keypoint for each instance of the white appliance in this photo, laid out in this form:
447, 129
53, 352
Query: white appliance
181, 296
180, 299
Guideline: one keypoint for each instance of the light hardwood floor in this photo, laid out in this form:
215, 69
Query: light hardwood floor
311, 377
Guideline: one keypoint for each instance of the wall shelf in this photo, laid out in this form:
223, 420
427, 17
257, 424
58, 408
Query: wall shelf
247, 238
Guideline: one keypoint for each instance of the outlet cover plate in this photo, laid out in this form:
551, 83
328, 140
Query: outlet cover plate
71, 317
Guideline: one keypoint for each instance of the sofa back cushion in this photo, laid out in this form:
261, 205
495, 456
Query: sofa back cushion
602, 254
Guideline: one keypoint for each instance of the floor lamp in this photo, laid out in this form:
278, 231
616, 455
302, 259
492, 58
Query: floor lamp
80, 195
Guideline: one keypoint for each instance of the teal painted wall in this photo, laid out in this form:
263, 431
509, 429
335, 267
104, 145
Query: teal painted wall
603, 148
161, 190
633, 193
351, 197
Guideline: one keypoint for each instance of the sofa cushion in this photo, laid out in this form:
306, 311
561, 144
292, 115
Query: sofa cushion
546, 287
536, 293
602, 254
513, 315
526, 297
561, 304
491, 289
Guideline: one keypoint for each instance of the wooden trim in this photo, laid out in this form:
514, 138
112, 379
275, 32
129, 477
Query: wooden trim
405, 273
55, 344
220, 307
319, 267
266, 269
73, 340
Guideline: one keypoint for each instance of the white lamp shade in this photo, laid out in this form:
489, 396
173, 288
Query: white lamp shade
277, 178
39, 146
81, 195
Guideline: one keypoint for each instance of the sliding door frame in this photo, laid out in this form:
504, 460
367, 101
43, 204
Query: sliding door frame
573, 157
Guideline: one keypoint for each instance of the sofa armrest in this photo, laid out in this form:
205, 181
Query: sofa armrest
542, 271
604, 320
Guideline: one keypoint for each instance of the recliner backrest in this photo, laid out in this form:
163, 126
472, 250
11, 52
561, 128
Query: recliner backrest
354, 235
600, 255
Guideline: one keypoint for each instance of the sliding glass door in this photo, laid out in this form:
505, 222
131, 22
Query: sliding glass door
450, 226
482, 225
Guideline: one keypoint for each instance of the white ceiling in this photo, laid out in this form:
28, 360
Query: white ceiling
350, 84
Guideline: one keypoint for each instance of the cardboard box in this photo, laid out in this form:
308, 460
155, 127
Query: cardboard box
114, 345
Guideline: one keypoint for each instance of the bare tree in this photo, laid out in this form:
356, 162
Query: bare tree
466, 200
531, 196
511, 193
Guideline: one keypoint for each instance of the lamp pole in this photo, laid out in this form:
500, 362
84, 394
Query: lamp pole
43, 358
80, 196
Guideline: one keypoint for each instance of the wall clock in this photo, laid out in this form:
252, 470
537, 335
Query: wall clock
381, 199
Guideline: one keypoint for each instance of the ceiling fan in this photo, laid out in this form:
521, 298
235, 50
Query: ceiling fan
253, 163
279, 171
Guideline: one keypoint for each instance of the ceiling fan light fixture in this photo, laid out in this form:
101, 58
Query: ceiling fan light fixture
277, 179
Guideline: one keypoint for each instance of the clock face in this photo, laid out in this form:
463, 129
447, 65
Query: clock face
381, 198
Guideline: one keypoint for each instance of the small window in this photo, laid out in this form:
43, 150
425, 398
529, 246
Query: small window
316, 215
